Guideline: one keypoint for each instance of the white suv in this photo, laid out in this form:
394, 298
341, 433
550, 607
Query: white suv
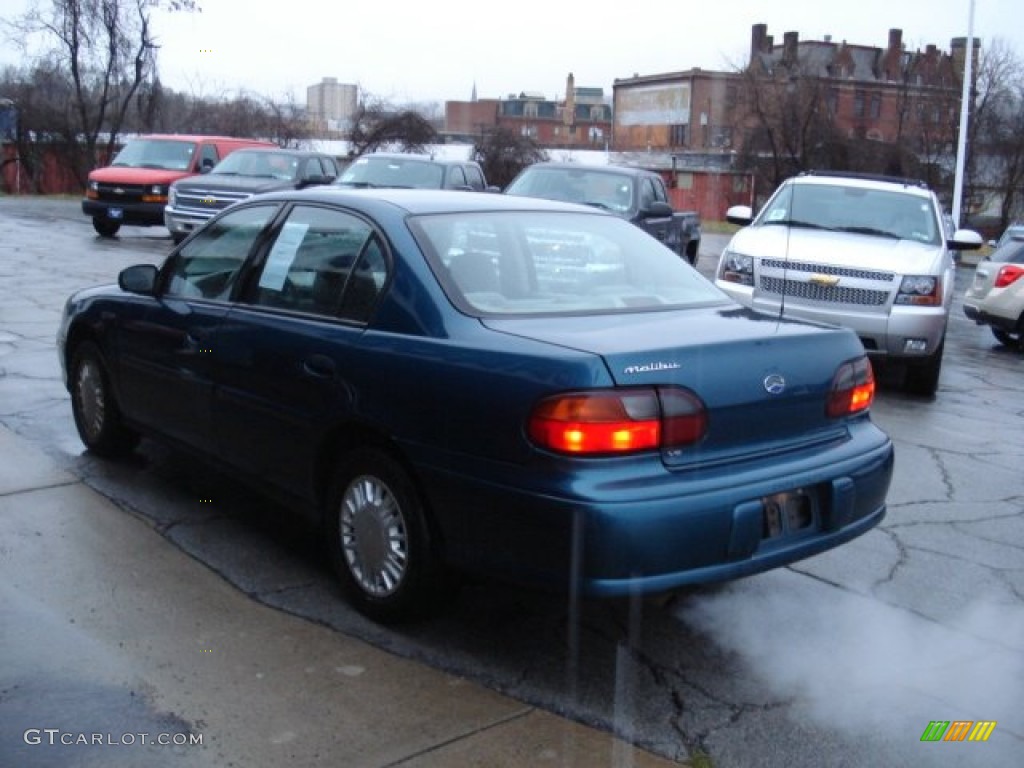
868, 252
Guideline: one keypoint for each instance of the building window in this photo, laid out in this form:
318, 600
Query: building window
529, 131
677, 135
876, 105
858, 104
597, 113
684, 181
832, 100
530, 109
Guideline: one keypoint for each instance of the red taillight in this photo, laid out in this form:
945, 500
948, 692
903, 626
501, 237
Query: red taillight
853, 388
1007, 275
617, 421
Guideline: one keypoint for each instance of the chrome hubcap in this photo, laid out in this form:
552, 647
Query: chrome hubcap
91, 402
373, 536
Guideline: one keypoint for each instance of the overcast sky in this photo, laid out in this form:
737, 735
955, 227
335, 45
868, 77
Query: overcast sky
420, 51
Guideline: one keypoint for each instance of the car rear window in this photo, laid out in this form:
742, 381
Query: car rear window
546, 263
1012, 251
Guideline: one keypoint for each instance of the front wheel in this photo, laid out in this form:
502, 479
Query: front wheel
379, 539
105, 227
923, 377
691, 252
97, 415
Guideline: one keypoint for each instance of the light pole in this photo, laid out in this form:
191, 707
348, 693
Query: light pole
965, 103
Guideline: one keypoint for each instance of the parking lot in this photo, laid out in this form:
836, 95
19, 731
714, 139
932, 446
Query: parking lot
842, 659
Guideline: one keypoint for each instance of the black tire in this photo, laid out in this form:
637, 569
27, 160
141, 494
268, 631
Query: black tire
1008, 338
105, 227
96, 412
380, 542
692, 248
922, 377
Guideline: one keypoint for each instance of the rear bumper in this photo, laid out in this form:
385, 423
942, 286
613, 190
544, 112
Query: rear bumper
686, 528
983, 317
138, 214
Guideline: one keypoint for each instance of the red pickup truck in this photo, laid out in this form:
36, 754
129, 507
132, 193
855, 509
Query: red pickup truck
133, 188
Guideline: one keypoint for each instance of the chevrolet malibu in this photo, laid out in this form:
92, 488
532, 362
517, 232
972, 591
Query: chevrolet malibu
449, 382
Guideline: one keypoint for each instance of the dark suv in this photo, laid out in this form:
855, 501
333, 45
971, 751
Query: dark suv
392, 169
240, 175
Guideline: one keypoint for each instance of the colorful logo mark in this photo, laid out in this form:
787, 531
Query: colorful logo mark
958, 730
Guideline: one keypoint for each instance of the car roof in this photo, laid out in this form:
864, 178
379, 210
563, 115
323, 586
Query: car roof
425, 201
862, 181
582, 168
281, 151
413, 156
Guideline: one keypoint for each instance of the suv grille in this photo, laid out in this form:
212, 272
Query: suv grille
831, 294
207, 202
824, 269
120, 193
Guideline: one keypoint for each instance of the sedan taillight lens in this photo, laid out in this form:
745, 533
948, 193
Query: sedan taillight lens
1008, 275
853, 388
618, 421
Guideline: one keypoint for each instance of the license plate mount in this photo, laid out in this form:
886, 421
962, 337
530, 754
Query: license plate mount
791, 512
115, 213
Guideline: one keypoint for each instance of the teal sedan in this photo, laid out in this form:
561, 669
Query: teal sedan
458, 382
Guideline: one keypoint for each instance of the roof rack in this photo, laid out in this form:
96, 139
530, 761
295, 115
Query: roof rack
907, 182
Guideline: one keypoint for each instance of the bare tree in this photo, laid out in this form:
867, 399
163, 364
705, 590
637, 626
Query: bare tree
788, 125
502, 154
995, 144
375, 126
106, 50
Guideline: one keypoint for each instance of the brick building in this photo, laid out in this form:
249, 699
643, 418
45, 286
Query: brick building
580, 120
878, 93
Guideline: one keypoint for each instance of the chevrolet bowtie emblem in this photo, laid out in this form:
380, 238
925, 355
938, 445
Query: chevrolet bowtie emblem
827, 280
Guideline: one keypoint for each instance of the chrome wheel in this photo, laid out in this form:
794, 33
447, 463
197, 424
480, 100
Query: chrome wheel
94, 405
374, 536
90, 397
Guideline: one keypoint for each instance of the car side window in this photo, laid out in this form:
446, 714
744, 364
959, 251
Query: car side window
316, 256
474, 177
456, 178
208, 156
207, 266
647, 195
312, 168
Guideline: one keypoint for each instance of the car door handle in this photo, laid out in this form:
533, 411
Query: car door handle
320, 366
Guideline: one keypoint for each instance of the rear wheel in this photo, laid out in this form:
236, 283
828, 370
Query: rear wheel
923, 377
1009, 338
105, 227
97, 415
379, 539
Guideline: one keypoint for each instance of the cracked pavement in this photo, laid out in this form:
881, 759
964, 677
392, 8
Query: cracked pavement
839, 660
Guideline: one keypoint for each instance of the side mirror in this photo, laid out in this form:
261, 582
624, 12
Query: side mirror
206, 165
657, 210
313, 181
140, 279
965, 240
740, 214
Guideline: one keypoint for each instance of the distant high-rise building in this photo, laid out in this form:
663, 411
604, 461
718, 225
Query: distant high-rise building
331, 105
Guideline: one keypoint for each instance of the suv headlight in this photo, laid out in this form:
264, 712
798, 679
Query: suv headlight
736, 268
172, 196
920, 291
